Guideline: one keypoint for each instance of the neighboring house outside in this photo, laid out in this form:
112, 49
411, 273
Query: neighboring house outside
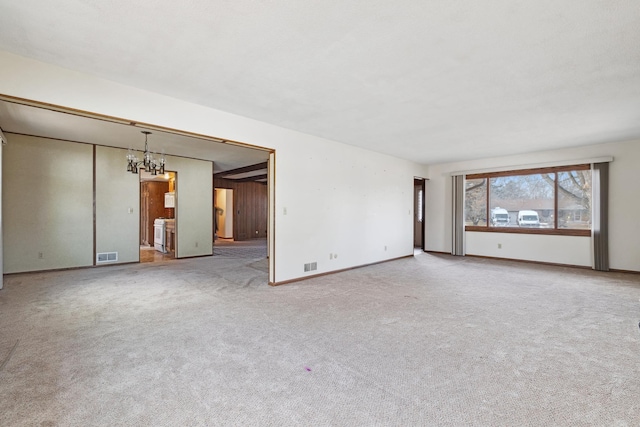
573, 216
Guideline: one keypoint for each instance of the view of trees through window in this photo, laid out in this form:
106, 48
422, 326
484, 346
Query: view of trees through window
551, 198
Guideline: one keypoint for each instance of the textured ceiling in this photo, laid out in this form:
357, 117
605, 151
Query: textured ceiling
430, 81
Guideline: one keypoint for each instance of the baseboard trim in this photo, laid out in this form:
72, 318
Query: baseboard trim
615, 270
584, 267
313, 276
80, 267
437, 252
195, 256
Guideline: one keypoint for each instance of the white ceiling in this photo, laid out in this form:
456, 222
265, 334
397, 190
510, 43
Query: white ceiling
430, 81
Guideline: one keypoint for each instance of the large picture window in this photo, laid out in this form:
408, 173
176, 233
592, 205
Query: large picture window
542, 201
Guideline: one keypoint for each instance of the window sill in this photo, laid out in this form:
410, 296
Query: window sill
518, 230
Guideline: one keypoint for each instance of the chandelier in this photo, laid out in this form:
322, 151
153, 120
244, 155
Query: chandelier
148, 162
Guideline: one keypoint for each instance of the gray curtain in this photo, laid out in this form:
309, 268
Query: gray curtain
457, 243
600, 217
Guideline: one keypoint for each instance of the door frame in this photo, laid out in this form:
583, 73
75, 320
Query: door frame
423, 206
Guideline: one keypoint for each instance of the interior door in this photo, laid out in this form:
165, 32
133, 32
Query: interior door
418, 213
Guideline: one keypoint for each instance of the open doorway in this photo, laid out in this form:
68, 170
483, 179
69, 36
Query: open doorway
114, 192
223, 214
418, 214
241, 211
157, 216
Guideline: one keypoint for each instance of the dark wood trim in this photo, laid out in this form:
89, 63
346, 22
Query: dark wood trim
555, 202
524, 230
100, 145
313, 276
82, 267
424, 213
95, 209
245, 169
512, 259
615, 270
248, 178
551, 231
534, 171
113, 119
196, 256
526, 261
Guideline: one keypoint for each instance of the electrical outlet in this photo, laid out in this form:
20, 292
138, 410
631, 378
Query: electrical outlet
40, 255
196, 244
385, 247
499, 245
330, 256
284, 211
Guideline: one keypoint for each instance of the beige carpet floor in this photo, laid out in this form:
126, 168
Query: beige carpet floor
429, 340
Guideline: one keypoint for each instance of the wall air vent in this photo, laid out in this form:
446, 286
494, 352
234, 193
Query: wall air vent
311, 266
103, 257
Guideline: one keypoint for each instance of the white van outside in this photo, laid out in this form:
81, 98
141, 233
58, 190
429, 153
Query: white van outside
499, 217
528, 219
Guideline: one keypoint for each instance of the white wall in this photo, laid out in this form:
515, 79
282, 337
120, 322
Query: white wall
1, 255
343, 201
624, 203
571, 250
117, 205
340, 199
194, 206
47, 204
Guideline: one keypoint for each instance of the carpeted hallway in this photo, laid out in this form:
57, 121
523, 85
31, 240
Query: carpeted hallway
429, 340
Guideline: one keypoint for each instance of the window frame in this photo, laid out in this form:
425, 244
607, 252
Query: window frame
524, 230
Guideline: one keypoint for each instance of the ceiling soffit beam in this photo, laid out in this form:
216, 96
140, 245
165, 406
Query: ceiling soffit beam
113, 119
249, 178
238, 171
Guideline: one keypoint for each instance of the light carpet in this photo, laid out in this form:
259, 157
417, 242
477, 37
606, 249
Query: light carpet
428, 340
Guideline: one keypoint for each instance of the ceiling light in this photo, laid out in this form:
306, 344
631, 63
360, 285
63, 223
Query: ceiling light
148, 162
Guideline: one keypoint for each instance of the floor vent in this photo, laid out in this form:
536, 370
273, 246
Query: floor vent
311, 266
106, 257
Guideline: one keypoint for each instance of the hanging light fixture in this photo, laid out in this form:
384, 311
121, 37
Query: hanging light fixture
148, 162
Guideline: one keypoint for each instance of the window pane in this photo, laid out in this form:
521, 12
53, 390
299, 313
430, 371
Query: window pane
525, 200
475, 202
574, 199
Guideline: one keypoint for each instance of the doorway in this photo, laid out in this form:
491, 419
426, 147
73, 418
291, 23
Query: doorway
157, 216
223, 213
418, 213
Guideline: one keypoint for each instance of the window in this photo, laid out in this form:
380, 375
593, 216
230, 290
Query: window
475, 202
542, 201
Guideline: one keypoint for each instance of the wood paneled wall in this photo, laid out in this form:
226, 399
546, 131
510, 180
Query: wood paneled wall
152, 207
250, 204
